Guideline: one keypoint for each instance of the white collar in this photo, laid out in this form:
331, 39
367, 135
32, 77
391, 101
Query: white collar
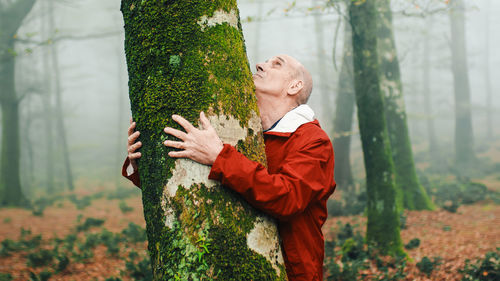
293, 119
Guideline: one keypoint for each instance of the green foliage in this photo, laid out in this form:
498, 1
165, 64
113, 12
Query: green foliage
5, 276
89, 222
43, 276
426, 266
414, 243
348, 254
80, 203
450, 195
487, 269
124, 207
7, 220
26, 242
39, 258
140, 271
134, 233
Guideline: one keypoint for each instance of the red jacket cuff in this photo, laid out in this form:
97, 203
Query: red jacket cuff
216, 171
134, 178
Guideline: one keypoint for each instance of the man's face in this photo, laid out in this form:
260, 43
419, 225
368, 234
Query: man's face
273, 76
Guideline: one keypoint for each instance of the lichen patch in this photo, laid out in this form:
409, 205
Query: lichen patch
219, 17
263, 239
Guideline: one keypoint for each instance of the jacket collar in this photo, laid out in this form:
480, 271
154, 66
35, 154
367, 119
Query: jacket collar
292, 120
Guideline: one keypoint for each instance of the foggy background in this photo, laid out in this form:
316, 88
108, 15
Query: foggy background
93, 78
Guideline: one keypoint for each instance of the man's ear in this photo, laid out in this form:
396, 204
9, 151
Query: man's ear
295, 87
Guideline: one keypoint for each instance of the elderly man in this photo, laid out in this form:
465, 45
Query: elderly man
299, 178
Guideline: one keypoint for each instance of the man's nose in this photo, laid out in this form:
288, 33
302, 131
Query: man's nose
259, 66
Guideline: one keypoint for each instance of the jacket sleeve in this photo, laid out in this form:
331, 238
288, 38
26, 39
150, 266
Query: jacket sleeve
302, 177
133, 177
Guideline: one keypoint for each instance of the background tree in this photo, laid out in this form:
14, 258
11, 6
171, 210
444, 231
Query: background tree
185, 57
12, 15
464, 142
383, 213
413, 195
344, 111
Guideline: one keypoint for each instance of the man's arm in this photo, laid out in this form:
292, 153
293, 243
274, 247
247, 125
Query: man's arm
304, 174
303, 178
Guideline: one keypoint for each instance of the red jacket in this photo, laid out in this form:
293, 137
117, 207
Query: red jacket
294, 189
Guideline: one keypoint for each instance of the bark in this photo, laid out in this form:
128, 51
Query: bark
59, 106
11, 18
431, 132
322, 87
487, 78
411, 194
184, 57
382, 211
464, 151
344, 112
47, 106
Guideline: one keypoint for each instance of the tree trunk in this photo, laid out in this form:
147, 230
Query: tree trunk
47, 104
426, 85
59, 107
464, 151
344, 111
487, 79
411, 193
184, 57
383, 214
322, 88
11, 18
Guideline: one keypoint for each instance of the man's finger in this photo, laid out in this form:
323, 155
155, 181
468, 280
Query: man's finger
135, 146
183, 122
136, 155
131, 120
133, 137
174, 144
179, 154
176, 133
205, 123
131, 128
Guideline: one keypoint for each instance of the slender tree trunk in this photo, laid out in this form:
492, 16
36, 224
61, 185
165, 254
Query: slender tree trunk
11, 18
426, 84
59, 107
47, 105
411, 192
10, 159
326, 106
184, 57
382, 210
487, 79
344, 112
464, 151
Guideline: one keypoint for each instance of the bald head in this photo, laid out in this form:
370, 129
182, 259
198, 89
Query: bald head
300, 73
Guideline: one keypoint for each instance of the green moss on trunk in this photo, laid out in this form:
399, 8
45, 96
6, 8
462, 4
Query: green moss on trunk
11, 18
383, 214
184, 57
411, 195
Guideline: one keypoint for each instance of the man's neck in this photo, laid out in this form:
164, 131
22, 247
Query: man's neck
272, 110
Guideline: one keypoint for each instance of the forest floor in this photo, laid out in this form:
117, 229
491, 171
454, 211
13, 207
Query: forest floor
454, 237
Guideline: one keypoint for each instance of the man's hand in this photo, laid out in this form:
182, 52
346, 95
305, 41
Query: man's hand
202, 146
132, 146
